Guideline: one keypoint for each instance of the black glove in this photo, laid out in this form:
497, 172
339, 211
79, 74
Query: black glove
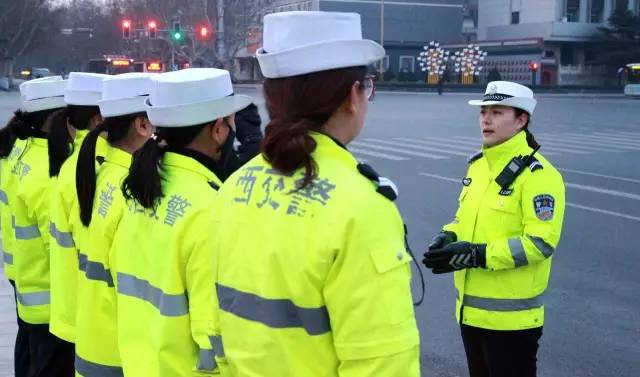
455, 256
442, 239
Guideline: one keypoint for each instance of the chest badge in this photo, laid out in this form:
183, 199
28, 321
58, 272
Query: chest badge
467, 181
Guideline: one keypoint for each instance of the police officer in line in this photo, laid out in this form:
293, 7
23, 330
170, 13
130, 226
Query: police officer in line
27, 194
101, 205
162, 260
321, 284
501, 242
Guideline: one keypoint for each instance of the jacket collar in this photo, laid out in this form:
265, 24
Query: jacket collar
327, 146
181, 161
498, 156
118, 156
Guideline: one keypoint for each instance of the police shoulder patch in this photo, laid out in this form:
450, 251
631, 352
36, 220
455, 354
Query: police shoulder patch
385, 186
534, 164
544, 206
474, 157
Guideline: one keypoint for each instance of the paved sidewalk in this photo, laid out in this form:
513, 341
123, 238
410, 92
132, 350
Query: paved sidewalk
8, 327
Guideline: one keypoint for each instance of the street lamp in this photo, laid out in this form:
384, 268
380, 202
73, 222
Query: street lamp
434, 61
382, 67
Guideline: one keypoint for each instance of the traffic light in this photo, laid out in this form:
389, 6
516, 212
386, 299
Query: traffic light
153, 29
203, 32
126, 29
177, 34
533, 66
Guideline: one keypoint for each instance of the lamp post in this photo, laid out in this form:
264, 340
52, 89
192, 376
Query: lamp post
382, 39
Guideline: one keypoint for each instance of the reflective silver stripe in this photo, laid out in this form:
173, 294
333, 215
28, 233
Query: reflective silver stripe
207, 361
88, 369
7, 258
169, 305
276, 313
25, 232
216, 343
64, 239
517, 252
94, 270
34, 299
3, 197
502, 304
546, 249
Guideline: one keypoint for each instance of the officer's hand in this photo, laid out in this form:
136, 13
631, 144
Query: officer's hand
442, 239
455, 256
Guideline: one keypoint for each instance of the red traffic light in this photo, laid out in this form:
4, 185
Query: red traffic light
534, 66
153, 29
153, 24
204, 32
126, 24
126, 29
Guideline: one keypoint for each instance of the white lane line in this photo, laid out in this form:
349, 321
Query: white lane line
377, 154
549, 151
474, 143
421, 142
620, 194
560, 144
586, 142
630, 137
568, 204
609, 139
604, 211
420, 147
600, 175
396, 150
603, 142
635, 135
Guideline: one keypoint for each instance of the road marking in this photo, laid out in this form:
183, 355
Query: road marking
569, 204
420, 147
390, 149
635, 135
549, 151
421, 142
586, 142
620, 194
600, 175
377, 154
593, 140
476, 144
631, 137
560, 144
609, 139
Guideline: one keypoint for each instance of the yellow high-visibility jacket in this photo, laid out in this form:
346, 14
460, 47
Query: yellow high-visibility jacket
6, 229
97, 352
162, 265
315, 281
521, 227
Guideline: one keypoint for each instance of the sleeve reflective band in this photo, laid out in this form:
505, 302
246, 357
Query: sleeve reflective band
544, 248
216, 343
502, 304
64, 239
3, 197
94, 270
34, 299
169, 305
207, 361
26, 233
517, 252
88, 369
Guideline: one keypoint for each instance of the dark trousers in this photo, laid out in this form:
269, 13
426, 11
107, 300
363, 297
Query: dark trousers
21, 359
492, 353
38, 353
50, 355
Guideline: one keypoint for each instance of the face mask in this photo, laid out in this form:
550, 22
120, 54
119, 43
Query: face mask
228, 156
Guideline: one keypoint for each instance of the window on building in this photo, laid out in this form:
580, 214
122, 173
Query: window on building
549, 54
407, 64
515, 18
572, 10
596, 11
567, 55
621, 4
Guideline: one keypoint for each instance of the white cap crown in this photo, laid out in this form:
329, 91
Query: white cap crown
125, 94
42, 94
84, 89
507, 93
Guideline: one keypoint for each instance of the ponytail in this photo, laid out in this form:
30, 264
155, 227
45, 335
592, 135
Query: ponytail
7, 138
117, 129
531, 141
86, 174
59, 141
289, 147
143, 184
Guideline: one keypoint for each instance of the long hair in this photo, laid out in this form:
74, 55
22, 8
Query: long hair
22, 125
298, 105
117, 128
531, 140
59, 140
143, 183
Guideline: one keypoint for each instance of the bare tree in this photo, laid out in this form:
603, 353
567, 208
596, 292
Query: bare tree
24, 25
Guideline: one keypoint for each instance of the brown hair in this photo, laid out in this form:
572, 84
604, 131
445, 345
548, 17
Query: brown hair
298, 105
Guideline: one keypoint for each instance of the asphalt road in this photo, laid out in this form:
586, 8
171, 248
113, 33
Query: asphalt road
421, 141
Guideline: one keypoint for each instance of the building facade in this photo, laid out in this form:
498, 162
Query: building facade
407, 24
561, 36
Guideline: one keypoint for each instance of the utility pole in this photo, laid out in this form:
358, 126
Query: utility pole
220, 45
382, 39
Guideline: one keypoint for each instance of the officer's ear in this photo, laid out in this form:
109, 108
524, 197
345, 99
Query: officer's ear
143, 127
219, 131
522, 120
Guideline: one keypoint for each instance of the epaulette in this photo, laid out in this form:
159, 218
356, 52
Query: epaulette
534, 164
474, 157
213, 185
385, 188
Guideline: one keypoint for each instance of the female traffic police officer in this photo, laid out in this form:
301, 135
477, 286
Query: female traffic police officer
101, 206
11, 148
29, 204
82, 114
320, 286
162, 261
502, 238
